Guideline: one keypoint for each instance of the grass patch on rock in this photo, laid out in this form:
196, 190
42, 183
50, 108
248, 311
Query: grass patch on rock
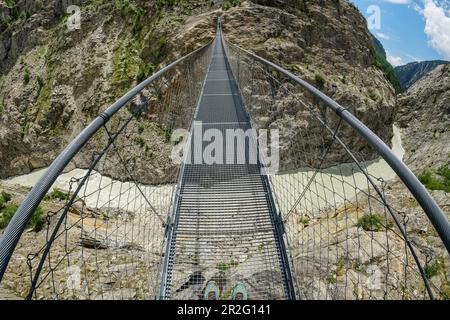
8, 210
224, 266
437, 180
57, 194
320, 81
373, 222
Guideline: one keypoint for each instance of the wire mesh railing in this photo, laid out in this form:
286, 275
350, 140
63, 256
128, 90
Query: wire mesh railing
102, 231
351, 211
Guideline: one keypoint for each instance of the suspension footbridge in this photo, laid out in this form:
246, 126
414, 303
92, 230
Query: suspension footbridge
241, 241
323, 228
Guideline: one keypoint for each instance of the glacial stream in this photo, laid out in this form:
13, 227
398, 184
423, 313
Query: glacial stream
341, 181
332, 186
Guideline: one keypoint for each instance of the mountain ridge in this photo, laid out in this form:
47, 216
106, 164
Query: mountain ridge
412, 72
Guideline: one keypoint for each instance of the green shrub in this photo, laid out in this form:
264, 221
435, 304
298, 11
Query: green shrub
140, 76
15, 14
10, 3
6, 214
24, 15
5, 196
432, 270
4, 24
140, 141
425, 177
235, 3
167, 134
40, 83
36, 222
444, 172
231, 3
438, 181
320, 81
445, 67
373, 222
167, 3
373, 96
24, 130
304, 221
57, 194
226, 5
37, 219
389, 72
144, 71
26, 76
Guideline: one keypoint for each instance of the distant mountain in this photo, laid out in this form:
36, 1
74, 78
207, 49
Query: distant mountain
414, 71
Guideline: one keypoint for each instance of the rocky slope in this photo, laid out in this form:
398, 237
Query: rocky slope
424, 115
54, 81
412, 72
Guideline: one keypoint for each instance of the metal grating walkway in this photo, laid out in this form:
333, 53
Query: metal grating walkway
224, 228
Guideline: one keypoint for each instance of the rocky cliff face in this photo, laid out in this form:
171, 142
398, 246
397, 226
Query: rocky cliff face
424, 118
424, 115
327, 44
54, 81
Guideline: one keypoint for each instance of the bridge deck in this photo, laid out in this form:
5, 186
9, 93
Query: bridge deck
224, 225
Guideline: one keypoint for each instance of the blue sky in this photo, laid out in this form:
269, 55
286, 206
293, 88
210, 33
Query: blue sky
410, 30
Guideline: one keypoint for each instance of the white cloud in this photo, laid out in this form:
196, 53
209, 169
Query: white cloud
395, 61
444, 4
414, 58
399, 1
416, 7
383, 36
437, 27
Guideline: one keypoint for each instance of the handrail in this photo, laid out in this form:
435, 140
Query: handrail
428, 204
17, 225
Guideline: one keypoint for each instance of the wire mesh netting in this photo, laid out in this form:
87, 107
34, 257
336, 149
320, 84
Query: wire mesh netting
103, 227
353, 230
